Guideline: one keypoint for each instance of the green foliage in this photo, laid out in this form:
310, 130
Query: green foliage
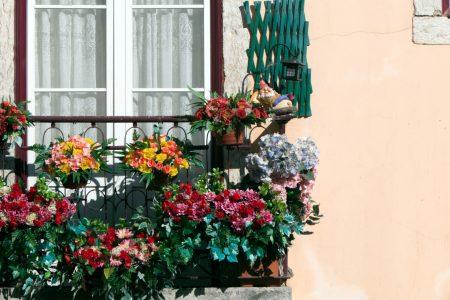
212, 181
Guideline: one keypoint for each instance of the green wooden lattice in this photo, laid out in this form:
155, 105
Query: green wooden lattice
281, 22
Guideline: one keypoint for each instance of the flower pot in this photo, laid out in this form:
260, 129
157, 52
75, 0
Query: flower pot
240, 274
159, 181
232, 138
71, 184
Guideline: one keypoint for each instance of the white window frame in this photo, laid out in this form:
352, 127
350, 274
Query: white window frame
119, 60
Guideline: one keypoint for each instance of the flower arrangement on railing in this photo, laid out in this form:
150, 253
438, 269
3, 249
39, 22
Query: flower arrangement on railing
227, 116
290, 169
111, 260
252, 227
73, 161
158, 159
14, 120
32, 226
244, 229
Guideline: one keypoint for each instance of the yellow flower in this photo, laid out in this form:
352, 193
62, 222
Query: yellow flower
173, 172
161, 157
89, 141
77, 151
85, 165
148, 153
96, 165
144, 169
184, 164
66, 146
65, 168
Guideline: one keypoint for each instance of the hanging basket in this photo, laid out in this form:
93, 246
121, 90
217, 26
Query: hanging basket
71, 184
159, 181
231, 138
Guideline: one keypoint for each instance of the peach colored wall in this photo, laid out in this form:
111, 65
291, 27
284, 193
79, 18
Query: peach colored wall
381, 108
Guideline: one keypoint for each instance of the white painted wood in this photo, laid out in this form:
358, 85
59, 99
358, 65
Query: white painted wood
31, 135
163, 90
71, 90
70, 6
170, 6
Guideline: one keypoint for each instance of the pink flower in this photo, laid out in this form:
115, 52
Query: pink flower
124, 233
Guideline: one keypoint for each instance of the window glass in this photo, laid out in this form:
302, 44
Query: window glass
70, 48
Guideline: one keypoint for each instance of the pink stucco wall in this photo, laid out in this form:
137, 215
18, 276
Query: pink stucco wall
381, 119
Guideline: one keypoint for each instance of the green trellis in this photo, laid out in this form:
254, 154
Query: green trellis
282, 22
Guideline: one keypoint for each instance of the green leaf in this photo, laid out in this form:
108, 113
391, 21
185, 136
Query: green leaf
107, 272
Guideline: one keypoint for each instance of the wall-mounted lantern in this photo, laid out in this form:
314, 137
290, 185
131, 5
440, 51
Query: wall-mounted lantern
291, 66
291, 69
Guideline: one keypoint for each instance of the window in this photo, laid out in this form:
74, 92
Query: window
115, 57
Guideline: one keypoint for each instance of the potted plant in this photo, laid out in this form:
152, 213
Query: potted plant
14, 119
227, 116
157, 159
245, 232
32, 227
111, 261
73, 161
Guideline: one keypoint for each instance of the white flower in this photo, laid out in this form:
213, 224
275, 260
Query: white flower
4, 190
30, 219
124, 233
52, 207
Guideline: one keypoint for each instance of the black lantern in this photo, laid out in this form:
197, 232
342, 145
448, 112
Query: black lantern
291, 69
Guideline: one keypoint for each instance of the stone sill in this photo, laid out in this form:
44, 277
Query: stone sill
241, 293
431, 30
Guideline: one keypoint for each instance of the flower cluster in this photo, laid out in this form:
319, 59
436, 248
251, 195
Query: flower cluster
13, 120
241, 208
185, 202
73, 155
74, 160
33, 208
156, 153
290, 169
222, 114
308, 153
278, 158
114, 248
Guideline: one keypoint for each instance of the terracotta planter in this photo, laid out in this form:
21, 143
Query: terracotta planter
71, 184
238, 274
232, 138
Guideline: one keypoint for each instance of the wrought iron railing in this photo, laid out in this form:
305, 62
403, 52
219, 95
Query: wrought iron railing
110, 196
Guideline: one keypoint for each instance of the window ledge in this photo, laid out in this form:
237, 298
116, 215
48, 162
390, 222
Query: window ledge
431, 30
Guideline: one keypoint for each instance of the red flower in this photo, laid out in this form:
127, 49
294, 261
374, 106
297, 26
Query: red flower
199, 114
68, 259
168, 195
241, 114
91, 240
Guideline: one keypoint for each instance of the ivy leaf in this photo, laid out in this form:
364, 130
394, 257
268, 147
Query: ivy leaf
217, 254
107, 272
232, 258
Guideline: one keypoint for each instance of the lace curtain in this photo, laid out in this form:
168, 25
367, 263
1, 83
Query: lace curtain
70, 53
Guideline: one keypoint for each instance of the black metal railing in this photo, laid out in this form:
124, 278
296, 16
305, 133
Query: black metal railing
110, 196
